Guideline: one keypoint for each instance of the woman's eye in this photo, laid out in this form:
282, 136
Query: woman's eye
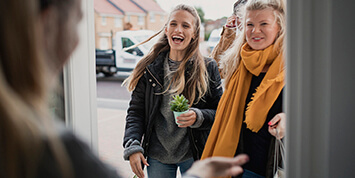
172, 24
186, 26
249, 25
263, 23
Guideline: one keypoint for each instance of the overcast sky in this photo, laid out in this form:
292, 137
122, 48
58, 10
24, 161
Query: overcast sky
214, 9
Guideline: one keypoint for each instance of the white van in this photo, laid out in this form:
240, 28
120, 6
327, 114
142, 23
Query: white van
126, 61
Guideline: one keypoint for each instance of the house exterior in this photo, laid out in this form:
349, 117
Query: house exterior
156, 16
112, 16
132, 13
108, 20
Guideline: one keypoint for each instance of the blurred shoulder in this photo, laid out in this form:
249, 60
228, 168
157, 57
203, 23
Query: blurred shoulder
84, 160
210, 62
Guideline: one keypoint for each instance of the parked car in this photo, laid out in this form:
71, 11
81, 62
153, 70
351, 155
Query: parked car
214, 39
119, 59
106, 62
126, 60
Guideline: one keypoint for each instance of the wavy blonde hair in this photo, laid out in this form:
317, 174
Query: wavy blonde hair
231, 58
25, 127
194, 87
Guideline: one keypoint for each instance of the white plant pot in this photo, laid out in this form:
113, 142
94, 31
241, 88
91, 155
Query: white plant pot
176, 114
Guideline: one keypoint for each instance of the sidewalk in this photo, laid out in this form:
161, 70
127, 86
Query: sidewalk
111, 123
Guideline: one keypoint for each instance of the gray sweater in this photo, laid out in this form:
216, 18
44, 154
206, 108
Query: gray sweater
169, 144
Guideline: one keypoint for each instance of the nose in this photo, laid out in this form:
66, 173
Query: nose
178, 28
256, 29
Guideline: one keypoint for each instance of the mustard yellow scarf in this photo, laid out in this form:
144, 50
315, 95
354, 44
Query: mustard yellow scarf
224, 136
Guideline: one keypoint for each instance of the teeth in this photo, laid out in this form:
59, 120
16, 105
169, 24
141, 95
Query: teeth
178, 37
257, 38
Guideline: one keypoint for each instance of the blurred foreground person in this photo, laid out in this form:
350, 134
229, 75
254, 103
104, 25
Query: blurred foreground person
37, 38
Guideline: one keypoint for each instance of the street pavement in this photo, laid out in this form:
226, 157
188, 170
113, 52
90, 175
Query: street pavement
111, 124
112, 104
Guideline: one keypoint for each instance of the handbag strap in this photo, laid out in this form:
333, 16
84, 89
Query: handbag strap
279, 150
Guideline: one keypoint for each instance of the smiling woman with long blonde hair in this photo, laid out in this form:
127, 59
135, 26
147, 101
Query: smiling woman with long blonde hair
173, 66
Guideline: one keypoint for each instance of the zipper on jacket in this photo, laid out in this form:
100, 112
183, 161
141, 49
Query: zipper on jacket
194, 144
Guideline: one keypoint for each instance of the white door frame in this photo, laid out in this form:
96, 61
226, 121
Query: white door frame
80, 81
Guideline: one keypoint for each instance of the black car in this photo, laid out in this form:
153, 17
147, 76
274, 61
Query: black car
106, 62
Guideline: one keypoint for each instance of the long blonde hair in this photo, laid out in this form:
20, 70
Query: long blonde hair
198, 79
24, 124
231, 58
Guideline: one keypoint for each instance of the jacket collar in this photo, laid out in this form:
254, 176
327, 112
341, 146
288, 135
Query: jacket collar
156, 68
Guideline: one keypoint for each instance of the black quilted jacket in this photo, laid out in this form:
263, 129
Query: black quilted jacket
145, 103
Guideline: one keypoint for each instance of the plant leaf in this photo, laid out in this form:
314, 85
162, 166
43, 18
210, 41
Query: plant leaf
179, 103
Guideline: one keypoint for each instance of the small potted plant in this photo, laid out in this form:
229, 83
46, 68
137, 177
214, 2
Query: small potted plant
179, 105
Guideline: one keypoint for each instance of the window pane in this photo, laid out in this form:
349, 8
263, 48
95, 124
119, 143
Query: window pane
118, 22
103, 21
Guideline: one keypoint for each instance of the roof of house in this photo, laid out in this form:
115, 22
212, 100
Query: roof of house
105, 7
127, 6
148, 5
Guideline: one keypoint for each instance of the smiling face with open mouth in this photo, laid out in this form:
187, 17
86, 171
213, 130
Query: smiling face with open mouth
180, 30
261, 28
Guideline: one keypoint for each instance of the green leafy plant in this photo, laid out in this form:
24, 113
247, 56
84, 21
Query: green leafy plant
179, 103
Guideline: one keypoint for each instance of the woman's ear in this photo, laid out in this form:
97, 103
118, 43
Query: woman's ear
194, 37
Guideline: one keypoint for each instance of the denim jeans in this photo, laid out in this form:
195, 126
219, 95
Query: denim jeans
250, 174
157, 169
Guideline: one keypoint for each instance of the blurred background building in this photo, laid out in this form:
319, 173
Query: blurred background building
112, 16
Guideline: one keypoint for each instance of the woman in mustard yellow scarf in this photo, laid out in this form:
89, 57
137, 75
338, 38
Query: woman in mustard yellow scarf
251, 107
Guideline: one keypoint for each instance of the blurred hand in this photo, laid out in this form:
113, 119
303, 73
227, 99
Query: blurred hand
231, 21
135, 161
187, 119
279, 122
218, 166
